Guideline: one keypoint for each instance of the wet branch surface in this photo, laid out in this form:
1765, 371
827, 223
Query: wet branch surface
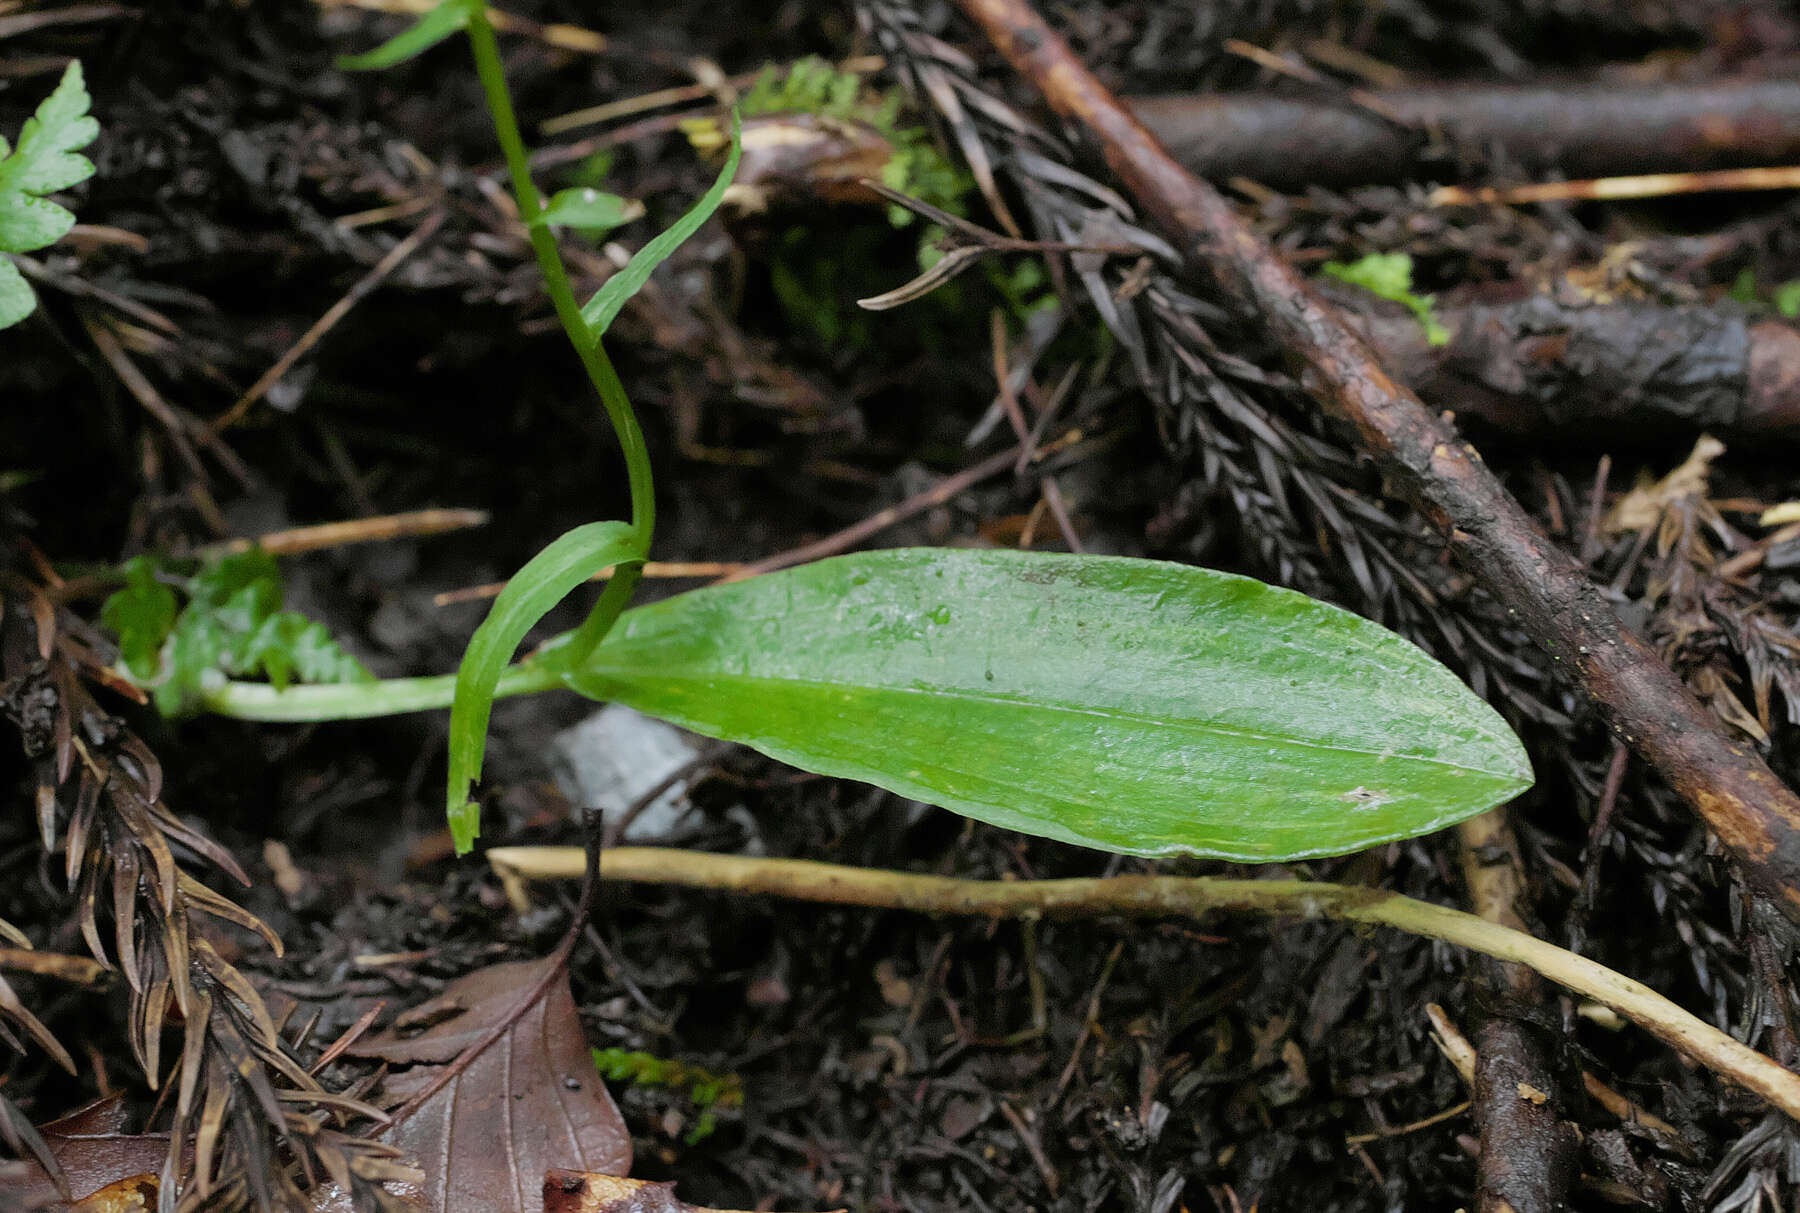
1582, 128
1748, 808
1527, 1151
1618, 372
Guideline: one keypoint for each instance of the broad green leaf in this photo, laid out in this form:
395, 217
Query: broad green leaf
447, 19
604, 306
44, 160
589, 210
16, 298
1130, 705
534, 590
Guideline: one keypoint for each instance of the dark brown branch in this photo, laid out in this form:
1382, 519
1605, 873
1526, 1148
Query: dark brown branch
1632, 370
1527, 1151
1584, 128
1752, 813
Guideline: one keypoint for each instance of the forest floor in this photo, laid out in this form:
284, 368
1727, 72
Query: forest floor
880, 1059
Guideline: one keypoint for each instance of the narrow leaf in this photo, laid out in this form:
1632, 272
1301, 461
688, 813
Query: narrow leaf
449, 18
532, 593
589, 210
604, 306
1130, 705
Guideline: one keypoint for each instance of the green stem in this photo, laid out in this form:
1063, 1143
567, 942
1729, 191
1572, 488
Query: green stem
593, 354
362, 700
613, 601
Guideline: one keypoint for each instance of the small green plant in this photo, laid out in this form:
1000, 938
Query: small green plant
1135, 706
44, 161
817, 275
1390, 276
708, 1091
1784, 297
231, 625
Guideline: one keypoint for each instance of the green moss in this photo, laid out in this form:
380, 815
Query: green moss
708, 1091
1390, 276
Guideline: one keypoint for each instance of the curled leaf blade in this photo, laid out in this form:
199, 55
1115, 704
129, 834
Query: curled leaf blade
532, 593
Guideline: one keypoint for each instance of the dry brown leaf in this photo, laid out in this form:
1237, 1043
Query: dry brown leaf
528, 1103
799, 157
103, 1164
1643, 506
135, 1195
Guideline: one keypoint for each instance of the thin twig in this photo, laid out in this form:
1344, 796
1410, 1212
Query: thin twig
295, 540
144, 392
324, 324
562, 37
1173, 896
12, 25
1087, 1024
1751, 558
1748, 808
1436, 1118
652, 569
1607, 189
558, 967
879, 521
1015, 416
1527, 1152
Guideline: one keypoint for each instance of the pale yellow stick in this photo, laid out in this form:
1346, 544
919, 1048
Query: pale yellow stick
1153, 896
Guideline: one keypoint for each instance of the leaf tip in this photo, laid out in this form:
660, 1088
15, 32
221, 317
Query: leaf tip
465, 826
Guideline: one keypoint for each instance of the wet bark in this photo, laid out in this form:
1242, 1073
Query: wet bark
1631, 371
1527, 1151
1527, 1155
1582, 128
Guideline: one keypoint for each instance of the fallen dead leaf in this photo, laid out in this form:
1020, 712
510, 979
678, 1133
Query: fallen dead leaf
135, 1195
1643, 506
528, 1103
103, 1164
797, 157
